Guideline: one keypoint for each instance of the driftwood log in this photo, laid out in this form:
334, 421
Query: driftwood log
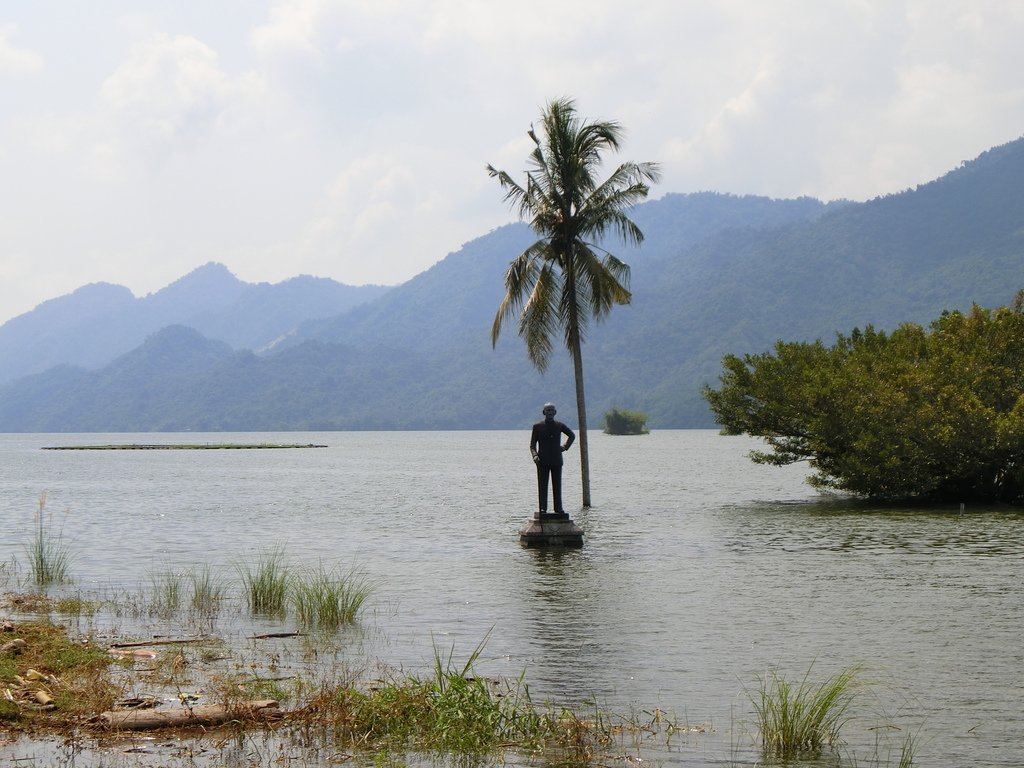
209, 714
160, 641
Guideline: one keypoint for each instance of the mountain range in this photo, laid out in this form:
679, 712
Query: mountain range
716, 274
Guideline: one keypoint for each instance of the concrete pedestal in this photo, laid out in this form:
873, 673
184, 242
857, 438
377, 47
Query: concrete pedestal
551, 530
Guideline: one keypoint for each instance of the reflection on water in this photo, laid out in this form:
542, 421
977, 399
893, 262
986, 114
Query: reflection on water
563, 614
700, 570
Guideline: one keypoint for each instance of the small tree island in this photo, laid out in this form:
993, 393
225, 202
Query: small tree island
930, 414
623, 422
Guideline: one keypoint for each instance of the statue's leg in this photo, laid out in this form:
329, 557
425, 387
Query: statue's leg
556, 487
542, 487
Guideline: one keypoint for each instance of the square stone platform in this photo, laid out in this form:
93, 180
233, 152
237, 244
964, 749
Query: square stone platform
551, 530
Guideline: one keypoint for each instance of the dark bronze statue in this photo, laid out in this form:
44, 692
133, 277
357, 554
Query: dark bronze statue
547, 449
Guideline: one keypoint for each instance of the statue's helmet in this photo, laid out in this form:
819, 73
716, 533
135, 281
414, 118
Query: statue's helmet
549, 407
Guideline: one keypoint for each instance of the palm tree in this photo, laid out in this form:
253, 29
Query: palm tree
566, 277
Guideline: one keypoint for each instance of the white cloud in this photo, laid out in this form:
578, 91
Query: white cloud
348, 138
14, 60
292, 28
167, 96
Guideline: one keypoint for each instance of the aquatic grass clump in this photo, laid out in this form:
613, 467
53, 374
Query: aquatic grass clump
166, 594
77, 606
803, 718
208, 591
452, 712
266, 583
326, 599
49, 559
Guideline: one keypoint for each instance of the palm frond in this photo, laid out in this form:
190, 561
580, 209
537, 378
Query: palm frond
605, 281
539, 321
520, 278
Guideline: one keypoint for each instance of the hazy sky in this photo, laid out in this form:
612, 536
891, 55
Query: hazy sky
348, 138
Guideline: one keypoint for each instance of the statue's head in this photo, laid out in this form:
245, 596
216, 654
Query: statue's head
549, 410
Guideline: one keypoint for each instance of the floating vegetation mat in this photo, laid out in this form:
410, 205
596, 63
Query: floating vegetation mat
178, 447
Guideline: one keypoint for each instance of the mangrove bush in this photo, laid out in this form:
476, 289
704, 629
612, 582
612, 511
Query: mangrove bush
935, 414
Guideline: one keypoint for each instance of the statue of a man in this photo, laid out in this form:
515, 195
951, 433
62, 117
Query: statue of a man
547, 449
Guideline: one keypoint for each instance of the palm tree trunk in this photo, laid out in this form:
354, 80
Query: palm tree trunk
581, 413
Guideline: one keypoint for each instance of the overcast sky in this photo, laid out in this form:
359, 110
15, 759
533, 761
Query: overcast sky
348, 138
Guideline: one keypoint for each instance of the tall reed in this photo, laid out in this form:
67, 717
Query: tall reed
266, 583
796, 719
49, 559
327, 598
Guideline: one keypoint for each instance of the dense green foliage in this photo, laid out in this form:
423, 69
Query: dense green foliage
932, 413
566, 277
623, 422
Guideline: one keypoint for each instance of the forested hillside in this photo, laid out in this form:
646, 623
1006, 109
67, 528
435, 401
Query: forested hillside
100, 321
717, 274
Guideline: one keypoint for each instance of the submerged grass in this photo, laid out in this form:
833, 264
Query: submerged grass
797, 719
49, 558
76, 606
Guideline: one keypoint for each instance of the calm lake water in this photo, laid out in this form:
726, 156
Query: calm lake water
700, 571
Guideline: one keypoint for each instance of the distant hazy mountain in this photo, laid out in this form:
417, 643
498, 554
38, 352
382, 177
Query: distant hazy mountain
98, 322
716, 274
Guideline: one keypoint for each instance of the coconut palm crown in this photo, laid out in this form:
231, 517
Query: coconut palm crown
566, 276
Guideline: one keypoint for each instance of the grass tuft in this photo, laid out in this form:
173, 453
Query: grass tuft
166, 594
797, 719
326, 599
208, 591
266, 582
49, 559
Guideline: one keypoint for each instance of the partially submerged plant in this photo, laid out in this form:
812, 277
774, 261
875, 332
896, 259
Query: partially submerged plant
796, 719
166, 595
76, 605
208, 591
907, 752
327, 598
452, 711
48, 556
266, 583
